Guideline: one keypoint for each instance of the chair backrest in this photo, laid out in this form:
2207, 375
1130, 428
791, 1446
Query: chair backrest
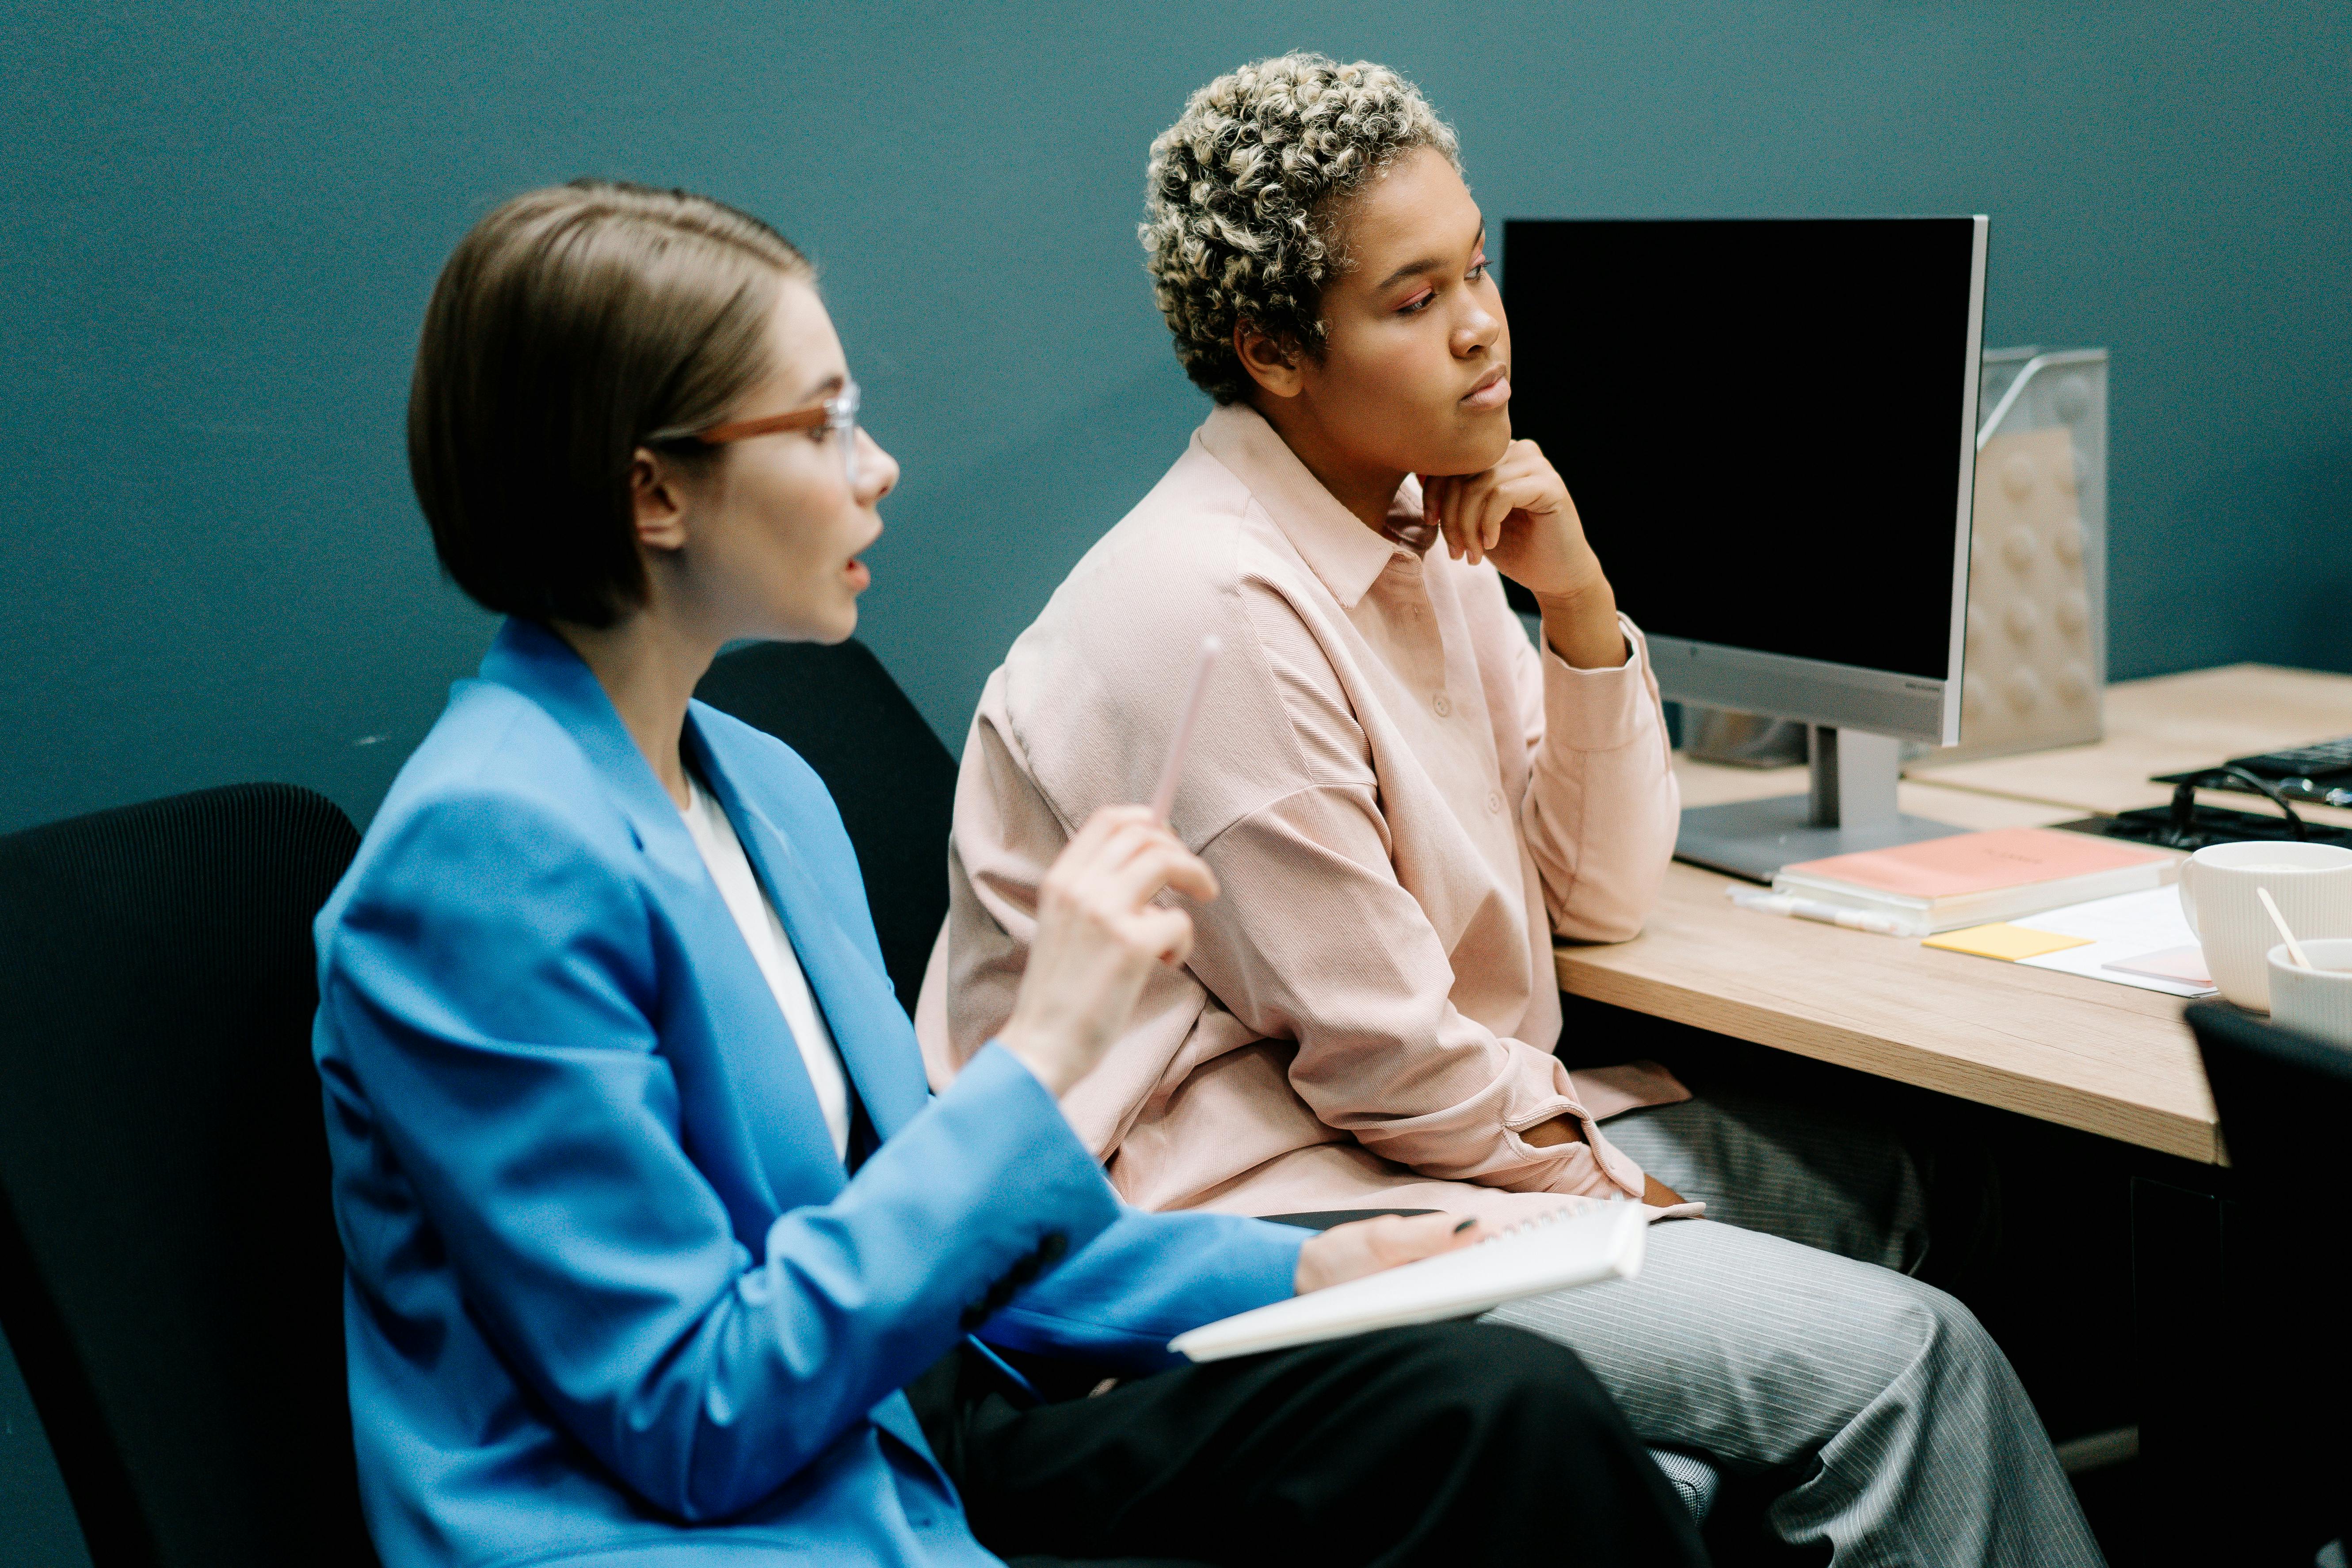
2284, 1098
2278, 1345
895, 783
170, 1274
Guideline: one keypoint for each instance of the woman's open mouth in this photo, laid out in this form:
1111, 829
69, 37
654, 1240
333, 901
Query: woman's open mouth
1493, 390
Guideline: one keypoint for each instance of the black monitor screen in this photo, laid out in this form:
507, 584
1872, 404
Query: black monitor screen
1761, 421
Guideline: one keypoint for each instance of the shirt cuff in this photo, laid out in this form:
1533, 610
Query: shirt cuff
1621, 1168
1588, 1167
1599, 710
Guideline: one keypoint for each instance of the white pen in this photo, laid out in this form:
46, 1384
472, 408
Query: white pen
1814, 910
1172, 769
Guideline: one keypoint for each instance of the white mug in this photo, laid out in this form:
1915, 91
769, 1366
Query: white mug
2313, 885
2315, 1001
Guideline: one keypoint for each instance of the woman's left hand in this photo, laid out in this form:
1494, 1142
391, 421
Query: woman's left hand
1364, 1247
1519, 514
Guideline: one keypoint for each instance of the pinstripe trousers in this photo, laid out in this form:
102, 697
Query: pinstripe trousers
1779, 1334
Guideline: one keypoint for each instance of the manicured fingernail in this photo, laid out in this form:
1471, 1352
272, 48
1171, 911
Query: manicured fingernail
1465, 1224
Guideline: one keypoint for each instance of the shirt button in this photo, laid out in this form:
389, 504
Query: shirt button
1440, 704
1493, 801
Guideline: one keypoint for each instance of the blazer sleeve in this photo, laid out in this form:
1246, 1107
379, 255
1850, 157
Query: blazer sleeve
492, 982
1146, 1279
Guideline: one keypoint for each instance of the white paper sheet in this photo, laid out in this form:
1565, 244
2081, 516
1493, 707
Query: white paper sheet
2122, 929
1559, 1252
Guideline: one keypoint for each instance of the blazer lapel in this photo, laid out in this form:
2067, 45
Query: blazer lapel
875, 1041
766, 1096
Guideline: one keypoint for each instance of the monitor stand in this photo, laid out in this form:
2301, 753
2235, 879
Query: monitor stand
1851, 806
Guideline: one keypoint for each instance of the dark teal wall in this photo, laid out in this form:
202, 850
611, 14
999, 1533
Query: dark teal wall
221, 228
221, 225
220, 234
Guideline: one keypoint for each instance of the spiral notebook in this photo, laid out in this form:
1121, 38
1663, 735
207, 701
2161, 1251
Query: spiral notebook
1555, 1252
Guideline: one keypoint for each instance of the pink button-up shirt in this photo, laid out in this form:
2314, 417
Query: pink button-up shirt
1403, 801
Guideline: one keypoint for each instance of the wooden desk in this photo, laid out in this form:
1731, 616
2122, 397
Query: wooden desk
2109, 1060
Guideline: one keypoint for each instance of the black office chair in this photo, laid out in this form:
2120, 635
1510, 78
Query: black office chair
170, 1274
895, 783
2285, 1098
2285, 1101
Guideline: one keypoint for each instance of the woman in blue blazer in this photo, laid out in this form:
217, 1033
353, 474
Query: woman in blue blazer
649, 1215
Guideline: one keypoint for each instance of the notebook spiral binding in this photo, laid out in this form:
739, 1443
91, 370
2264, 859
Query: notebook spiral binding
1550, 1216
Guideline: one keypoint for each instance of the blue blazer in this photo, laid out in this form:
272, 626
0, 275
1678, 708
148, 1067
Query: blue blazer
611, 1297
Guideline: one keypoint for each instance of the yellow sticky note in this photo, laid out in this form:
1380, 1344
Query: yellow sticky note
2005, 941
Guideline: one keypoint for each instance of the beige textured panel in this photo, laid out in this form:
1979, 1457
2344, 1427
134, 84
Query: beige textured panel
2030, 678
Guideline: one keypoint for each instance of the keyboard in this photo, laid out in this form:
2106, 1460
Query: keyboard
2321, 771
2204, 825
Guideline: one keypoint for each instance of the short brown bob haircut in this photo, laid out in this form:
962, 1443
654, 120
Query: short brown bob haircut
569, 326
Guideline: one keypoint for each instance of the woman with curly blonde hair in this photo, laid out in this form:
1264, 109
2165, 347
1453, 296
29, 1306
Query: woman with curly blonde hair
1405, 802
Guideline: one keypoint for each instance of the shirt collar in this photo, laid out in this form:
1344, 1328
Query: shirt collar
1334, 543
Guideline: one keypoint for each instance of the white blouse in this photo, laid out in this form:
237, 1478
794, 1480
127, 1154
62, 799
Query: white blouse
764, 932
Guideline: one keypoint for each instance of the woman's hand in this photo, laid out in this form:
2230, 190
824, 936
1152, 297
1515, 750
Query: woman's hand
1099, 938
1519, 513
1563, 1130
1365, 1247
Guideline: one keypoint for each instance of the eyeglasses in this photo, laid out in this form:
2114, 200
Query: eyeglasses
837, 414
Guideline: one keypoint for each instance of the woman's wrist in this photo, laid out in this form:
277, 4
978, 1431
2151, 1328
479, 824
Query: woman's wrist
1049, 1062
1551, 1134
1582, 626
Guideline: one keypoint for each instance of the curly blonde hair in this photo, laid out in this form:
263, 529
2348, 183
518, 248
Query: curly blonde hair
1245, 193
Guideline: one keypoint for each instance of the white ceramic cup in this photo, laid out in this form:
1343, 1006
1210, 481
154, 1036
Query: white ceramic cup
2318, 1000
2313, 885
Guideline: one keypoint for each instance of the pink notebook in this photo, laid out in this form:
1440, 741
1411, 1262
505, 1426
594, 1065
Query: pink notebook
1979, 862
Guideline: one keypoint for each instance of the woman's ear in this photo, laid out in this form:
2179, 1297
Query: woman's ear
657, 502
1271, 362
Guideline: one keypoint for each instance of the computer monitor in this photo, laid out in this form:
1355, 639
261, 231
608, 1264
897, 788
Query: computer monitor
1769, 426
